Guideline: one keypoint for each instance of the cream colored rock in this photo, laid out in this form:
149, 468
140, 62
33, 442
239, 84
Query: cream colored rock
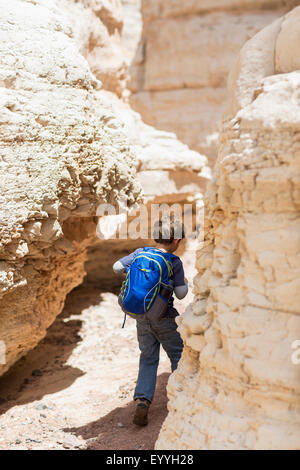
63, 151
169, 172
180, 69
202, 49
255, 62
288, 59
243, 385
192, 114
155, 8
132, 28
97, 28
196, 342
155, 149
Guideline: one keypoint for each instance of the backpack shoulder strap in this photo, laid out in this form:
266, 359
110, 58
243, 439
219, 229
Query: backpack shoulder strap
165, 259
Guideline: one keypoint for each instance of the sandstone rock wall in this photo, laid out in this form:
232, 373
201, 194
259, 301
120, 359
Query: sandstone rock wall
168, 171
132, 28
69, 143
97, 27
178, 77
63, 151
236, 386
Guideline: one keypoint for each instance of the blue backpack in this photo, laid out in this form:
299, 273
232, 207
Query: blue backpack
149, 269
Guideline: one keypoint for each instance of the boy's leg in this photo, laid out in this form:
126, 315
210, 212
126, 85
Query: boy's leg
149, 359
170, 339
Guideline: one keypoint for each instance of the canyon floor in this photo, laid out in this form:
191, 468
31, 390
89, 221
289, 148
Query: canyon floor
74, 390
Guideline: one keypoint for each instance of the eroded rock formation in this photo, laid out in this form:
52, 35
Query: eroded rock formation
236, 386
69, 143
187, 49
168, 171
97, 27
63, 151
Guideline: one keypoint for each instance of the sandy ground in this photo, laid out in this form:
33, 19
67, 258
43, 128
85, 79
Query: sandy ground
74, 390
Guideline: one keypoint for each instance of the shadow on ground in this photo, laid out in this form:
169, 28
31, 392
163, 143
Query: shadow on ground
115, 431
44, 370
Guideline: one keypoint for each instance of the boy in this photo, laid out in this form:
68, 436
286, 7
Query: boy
152, 334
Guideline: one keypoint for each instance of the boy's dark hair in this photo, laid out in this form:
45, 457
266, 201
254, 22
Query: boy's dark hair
167, 229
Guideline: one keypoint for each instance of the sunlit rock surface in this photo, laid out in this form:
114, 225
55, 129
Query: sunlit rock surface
238, 383
63, 151
180, 69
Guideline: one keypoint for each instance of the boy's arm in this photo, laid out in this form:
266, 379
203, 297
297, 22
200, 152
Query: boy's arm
122, 264
181, 291
180, 283
119, 268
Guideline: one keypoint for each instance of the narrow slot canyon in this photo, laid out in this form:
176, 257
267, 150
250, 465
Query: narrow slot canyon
139, 104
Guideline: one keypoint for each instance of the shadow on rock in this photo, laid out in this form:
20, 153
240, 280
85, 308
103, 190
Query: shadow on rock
115, 431
44, 370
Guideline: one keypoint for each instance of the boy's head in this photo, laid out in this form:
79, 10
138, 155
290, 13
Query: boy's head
168, 232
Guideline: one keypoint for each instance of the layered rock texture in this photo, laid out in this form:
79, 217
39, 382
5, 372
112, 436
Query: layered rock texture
186, 51
237, 386
168, 170
63, 151
97, 28
169, 173
68, 143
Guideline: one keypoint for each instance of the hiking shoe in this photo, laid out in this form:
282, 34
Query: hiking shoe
141, 412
